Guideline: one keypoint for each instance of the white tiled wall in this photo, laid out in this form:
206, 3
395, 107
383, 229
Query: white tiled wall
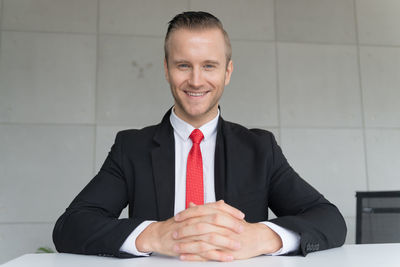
242, 19
252, 88
319, 85
322, 75
378, 22
320, 21
47, 77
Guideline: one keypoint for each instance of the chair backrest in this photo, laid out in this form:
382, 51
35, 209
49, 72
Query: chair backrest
378, 217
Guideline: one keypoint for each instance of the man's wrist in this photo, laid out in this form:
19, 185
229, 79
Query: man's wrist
145, 242
270, 241
290, 239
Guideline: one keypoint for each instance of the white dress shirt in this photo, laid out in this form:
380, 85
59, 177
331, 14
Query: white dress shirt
183, 144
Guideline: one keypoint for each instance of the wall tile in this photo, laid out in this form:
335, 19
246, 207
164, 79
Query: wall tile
47, 78
380, 73
42, 168
144, 17
383, 155
48, 15
1, 13
250, 98
331, 160
319, 85
242, 19
19, 239
132, 88
378, 21
351, 229
316, 21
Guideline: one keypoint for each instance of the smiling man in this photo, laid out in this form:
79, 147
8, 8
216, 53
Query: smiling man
198, 187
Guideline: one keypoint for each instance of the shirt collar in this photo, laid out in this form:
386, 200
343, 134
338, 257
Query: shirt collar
184, 129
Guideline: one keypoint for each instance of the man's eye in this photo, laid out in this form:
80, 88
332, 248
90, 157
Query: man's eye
183, 66
209, 66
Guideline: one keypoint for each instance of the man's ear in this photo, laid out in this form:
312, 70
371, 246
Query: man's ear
228, 72
166, 70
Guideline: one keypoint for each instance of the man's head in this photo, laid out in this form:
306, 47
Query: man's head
197, 65
196, 21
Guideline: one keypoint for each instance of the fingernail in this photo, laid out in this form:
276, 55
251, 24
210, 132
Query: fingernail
241, 214
182, 257
229, 258
175, 234
176, 248
240, 228
177, 217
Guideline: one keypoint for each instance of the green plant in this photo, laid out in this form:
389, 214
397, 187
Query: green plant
44, 250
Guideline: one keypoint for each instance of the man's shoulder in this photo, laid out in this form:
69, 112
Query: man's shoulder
137, 135
231, 128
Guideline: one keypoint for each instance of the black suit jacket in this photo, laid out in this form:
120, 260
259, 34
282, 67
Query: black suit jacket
251, 174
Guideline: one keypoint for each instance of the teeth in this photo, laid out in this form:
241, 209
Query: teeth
195, 94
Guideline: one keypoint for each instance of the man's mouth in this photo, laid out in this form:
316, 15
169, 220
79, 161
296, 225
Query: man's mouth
196, 94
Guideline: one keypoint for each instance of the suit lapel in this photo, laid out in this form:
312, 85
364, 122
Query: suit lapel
163, 162
219, 161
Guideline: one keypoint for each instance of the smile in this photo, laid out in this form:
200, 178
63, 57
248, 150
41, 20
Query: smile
195, 94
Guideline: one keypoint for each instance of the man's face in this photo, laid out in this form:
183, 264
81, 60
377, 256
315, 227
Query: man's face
197, 73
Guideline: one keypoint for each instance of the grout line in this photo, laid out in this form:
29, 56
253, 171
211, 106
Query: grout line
51, 32
342, 128
361, 98
23, 223
47, 124
278, 95
379, 45
130, 125
96, 83
232, 39
1, 23
317, 43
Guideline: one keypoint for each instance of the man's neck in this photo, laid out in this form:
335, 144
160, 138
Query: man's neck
197, 122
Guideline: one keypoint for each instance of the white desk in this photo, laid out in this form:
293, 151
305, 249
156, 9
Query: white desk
382, 255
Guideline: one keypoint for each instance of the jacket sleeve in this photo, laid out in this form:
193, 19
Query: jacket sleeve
90, 224
302, 209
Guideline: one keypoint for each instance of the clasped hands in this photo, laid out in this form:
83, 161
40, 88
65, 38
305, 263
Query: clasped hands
214, 231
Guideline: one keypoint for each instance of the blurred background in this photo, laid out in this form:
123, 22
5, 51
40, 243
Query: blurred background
322, 75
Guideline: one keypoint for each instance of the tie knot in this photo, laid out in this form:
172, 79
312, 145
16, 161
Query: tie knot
196, 136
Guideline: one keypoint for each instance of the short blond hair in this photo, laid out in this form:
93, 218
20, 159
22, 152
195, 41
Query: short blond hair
197, 20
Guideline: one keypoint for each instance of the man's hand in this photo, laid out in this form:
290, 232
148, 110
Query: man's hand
212, 226
214, 231
253, 239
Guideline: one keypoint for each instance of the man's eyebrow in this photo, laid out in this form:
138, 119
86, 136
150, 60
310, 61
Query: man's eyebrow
213, 62
180, 61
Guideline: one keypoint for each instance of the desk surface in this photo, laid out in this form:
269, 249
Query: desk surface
376, 255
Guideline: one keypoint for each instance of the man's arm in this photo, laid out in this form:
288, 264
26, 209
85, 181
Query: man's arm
301, 208
90, 225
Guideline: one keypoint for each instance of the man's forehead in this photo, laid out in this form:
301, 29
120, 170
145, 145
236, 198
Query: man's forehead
212, 33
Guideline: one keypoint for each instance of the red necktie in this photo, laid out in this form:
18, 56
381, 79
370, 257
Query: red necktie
194, 171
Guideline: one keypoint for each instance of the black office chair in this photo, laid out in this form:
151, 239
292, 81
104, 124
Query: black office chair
378, 217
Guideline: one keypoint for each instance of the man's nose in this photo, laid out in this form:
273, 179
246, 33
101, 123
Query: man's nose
196, 78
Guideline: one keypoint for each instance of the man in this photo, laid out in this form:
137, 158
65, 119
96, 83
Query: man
217, 177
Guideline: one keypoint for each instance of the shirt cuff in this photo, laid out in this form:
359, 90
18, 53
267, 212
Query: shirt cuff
129, 246
290, 239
